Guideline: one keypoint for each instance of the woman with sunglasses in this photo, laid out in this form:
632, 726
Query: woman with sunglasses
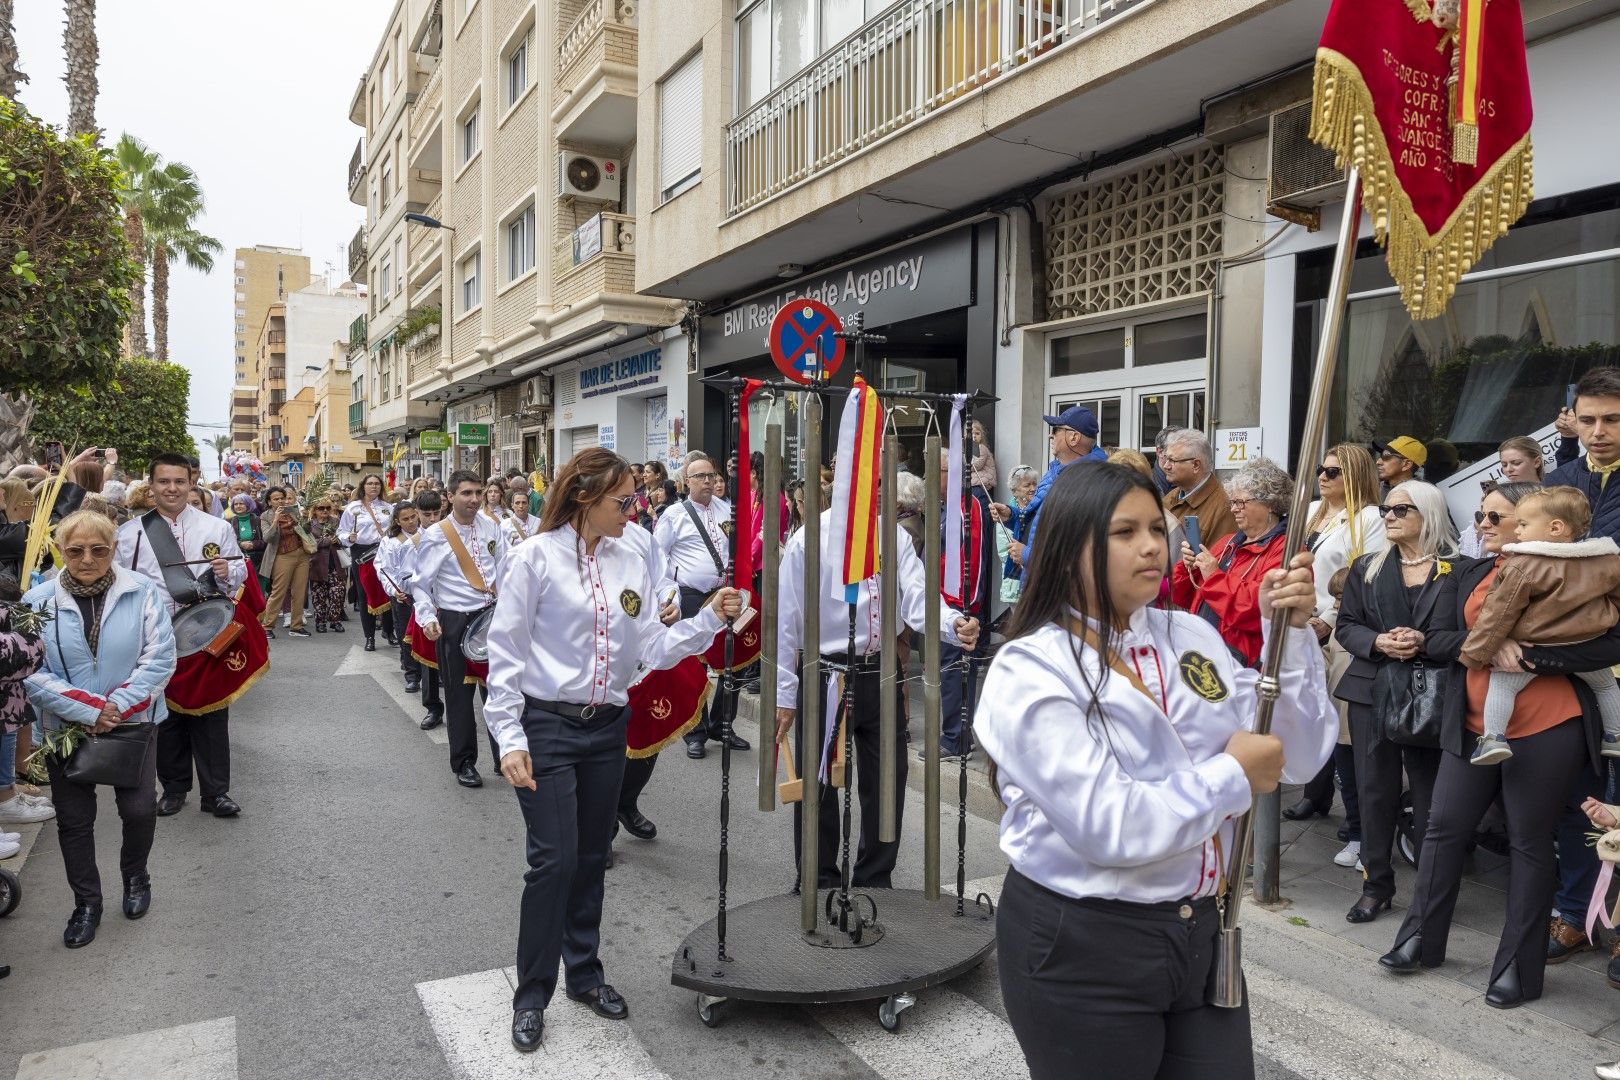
576, 622
1394, 602
1554, 732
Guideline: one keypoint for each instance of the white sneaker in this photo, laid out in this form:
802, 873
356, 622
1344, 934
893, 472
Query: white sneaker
1350, 856
8, 848
20, 811
37, 800
286, 618
10, 837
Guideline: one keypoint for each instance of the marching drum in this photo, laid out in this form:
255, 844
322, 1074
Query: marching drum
198, 626
475, 639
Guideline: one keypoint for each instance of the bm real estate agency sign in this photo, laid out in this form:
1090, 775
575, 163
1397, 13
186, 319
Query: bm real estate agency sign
625, 373
922, 278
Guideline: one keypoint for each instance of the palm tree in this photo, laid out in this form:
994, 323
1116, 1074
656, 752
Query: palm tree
164, 193
222, 446
171, 244
11, 76
82, 49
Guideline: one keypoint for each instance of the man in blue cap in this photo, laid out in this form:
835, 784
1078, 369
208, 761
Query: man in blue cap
1074, 438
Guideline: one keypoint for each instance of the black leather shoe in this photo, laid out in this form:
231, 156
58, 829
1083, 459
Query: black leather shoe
527, 1027
636, 824
468, 777
695, 751
81, 927
605, 1002
371, 644
337, 627
1366, 909
270, 633
222, 806
137, 895
1505, 992
320, 628
431, 721
734, 740
170, 804
413, 685
1404, 958
393, 641
1304, 810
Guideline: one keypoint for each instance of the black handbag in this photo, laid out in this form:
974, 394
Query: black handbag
1408, 699
117, 759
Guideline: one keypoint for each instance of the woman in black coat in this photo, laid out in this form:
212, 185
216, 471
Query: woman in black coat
1554, 732
1396, 603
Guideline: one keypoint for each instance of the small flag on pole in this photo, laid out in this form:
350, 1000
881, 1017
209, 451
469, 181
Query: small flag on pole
854, 506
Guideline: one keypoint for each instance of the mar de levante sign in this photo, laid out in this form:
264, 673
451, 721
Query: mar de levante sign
904, 283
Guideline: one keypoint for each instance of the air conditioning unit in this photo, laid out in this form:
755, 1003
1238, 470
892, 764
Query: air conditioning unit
536, 394
581, 176
1303, 176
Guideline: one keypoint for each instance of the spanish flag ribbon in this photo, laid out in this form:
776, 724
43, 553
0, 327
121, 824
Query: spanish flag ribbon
1430, 100
854, 506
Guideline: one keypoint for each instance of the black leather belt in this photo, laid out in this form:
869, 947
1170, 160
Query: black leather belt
574, 711
869, 662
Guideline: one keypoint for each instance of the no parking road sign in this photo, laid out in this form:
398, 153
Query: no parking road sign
803, 340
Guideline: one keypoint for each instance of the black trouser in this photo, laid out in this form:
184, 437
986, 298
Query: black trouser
1319, 792
874, 861
1578, 865
431, 700
1379, 763
721, 711
1108, 988
578, 764
953, 664
206, 740
368, 621
1532, 784
459, 720
637, 771
76, 825
402, 618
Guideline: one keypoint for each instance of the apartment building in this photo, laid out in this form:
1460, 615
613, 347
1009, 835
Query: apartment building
1108, 202
262, 275
293, 353
497, 171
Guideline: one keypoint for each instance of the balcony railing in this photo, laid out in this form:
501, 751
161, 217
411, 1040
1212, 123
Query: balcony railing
276, 374
423, 356
915, 58
357, 336
357, 256
357, 416
357, 167
426, 100
579, 33
588, 267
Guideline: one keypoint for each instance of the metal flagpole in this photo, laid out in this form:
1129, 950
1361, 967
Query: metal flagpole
1228, 990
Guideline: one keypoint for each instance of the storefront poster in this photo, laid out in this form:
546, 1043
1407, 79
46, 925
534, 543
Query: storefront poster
657, 428
605, 437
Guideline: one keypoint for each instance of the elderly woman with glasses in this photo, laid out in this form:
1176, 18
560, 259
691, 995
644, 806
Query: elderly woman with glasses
1223, 583
109, 652
1398, 612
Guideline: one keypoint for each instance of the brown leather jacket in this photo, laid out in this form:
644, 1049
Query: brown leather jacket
1209, 502
1548, 594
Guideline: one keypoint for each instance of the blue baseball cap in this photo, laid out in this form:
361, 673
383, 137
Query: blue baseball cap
1078, 417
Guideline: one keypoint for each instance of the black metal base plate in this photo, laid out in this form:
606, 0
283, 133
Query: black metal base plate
770, 959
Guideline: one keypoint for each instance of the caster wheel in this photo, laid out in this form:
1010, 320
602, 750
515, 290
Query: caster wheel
10, 892
710, 1010
888, 1017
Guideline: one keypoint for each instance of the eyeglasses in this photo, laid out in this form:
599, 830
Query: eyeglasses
701, 476
1400, 510
626, 504
1238, 504
94, 551
1329, 472
1179, 460
1496, 519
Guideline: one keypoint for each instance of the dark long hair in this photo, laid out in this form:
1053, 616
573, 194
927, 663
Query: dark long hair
583, 481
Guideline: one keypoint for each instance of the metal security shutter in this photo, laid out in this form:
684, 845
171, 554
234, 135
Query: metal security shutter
582, 438
680, 128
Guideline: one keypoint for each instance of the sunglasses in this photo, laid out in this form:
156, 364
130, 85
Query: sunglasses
626, 504
1390, 455
1329, 472
1400, 510
1481, 517
96, 551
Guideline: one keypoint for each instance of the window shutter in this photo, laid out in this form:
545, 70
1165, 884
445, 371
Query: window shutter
680, 128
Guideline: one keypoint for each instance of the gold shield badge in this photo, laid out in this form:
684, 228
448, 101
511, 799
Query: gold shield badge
1202, 678
210, 551
630, 600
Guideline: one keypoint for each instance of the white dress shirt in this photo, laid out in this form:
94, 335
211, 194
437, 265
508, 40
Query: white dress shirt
1336, 548
664, 585
577, 627
520, 529
688, 556
391, 563
193, 530
910, 591
367, 528
1122, 798
438, 581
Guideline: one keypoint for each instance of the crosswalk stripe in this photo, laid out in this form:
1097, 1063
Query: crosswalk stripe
202, 1051
472, 1019
942, 1037
382, 666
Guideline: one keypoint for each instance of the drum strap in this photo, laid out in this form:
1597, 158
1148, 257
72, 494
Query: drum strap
182, 586
469, 568
708, 541
381, 532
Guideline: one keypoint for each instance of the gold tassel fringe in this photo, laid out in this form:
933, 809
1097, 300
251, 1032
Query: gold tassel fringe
1427, 268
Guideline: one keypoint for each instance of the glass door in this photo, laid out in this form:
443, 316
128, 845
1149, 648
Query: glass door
1160, 407
1109, 409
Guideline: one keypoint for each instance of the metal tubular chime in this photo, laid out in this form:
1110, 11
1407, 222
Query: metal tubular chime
932, 531
1229, 989
770, 497
888, 562
810, 672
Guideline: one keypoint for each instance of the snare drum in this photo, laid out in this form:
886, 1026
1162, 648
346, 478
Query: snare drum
198, 625
475, 639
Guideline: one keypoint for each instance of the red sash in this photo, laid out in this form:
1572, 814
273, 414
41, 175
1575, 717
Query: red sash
377, 600
203, 684
665, 705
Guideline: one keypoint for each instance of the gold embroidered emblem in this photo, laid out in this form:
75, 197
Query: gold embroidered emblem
750, 638
492, 547
237, 660
661, 709
630, 600
210, 551
1202, 678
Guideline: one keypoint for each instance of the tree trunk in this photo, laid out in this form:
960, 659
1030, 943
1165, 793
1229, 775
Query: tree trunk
16, 415
160, 301
135, 236
11, 76
82, 51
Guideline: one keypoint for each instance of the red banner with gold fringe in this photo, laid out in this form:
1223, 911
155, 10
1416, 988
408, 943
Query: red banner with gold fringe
202, 683
1430, 100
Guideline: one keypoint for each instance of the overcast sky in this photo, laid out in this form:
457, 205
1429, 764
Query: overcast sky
253, 97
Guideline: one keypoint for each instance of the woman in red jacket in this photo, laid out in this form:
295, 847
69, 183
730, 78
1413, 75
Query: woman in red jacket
1223, 584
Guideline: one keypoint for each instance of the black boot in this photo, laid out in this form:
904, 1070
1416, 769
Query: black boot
81, 927
371, 643
1404, 958
137, 895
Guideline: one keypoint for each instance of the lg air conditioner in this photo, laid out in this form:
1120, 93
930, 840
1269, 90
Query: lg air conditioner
581, 176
